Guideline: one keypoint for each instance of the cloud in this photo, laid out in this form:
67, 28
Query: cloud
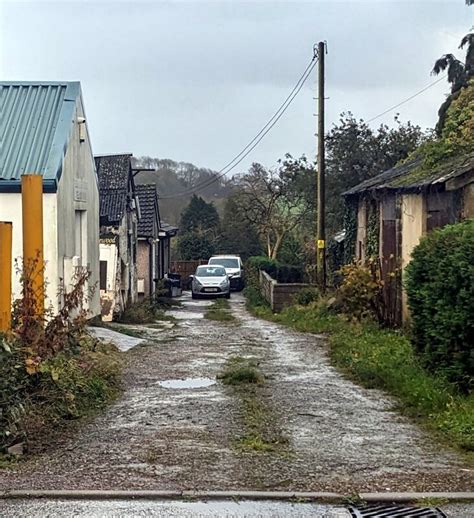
196, 80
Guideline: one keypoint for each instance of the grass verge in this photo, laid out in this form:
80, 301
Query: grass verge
220, 311
262, 433
385, 359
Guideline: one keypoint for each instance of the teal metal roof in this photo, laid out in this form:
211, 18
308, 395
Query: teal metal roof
35, 125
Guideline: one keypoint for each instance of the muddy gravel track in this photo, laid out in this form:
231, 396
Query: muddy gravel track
339, 436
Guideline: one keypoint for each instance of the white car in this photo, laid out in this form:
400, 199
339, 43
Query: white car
234, 268
210, 281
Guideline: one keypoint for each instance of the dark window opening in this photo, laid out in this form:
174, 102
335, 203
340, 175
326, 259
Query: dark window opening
103, 275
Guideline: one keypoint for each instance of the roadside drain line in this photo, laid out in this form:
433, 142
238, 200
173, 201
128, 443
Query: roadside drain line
225, 495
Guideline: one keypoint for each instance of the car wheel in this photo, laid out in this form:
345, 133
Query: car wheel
227, 295
193, 295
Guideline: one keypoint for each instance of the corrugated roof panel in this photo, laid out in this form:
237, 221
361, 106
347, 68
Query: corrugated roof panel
33, 115
412, 176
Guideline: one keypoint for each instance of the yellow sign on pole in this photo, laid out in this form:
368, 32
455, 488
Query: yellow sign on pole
321, 244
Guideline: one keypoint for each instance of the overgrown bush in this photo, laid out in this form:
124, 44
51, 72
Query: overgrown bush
50, 368
262, 262
440, 287
365, 292
252, 267
359, 293
307, 296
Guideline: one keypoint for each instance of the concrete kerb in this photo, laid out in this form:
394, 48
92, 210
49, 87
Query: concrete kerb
324, 497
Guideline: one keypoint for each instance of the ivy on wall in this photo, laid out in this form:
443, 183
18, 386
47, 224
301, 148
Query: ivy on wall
350, 226
373, 228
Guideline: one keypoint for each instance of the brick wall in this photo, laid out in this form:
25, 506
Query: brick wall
278, 295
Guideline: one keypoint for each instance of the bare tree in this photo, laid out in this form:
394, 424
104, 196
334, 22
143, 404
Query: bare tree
273, 202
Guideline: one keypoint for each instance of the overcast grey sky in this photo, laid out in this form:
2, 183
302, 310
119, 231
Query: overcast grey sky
195, 81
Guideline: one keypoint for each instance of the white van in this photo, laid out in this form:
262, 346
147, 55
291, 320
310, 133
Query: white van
233, 267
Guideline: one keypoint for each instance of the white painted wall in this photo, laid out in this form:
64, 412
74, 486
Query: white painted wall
11, 210
109, 253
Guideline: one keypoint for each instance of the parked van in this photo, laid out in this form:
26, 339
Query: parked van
233, 267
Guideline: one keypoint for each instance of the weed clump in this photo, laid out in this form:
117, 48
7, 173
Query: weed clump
262, 433
220, 312
307, 296
239, 371
146, 311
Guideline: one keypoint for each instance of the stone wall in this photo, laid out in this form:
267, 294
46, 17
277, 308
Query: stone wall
278, 295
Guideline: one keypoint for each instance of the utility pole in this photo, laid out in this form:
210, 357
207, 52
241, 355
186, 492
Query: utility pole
321, 227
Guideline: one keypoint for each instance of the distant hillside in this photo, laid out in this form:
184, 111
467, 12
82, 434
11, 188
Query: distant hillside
173, 178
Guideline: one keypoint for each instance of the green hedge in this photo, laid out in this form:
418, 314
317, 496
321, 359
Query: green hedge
281, 272
440, 287
262, 262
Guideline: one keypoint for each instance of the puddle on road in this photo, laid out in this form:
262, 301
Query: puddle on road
187, 383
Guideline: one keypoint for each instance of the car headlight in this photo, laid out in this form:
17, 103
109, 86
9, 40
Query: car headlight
225, 282
197, 282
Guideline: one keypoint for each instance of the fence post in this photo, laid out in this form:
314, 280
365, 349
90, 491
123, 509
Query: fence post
33, 255
5, 275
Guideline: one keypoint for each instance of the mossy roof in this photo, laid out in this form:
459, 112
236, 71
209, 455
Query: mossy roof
414, 176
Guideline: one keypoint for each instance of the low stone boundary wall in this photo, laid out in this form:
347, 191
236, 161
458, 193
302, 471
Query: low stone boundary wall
278, 295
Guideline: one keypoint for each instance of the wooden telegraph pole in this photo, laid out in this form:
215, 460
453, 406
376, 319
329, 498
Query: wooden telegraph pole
321, 226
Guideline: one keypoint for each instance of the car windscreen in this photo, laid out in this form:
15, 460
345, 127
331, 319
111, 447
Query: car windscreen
226, 263
210, 271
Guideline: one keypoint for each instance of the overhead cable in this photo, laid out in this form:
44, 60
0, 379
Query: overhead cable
256, 140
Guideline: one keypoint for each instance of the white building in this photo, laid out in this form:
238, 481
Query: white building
44, 131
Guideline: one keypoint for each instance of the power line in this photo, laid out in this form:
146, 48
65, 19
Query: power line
271, 123
258, 137
406, 100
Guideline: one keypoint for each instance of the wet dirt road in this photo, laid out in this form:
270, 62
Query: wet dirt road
163, 435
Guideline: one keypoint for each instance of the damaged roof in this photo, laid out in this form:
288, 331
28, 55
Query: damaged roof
149, 211
114, 173
413, 176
